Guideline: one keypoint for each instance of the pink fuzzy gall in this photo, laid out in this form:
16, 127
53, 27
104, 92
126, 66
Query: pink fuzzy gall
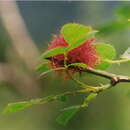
85, 53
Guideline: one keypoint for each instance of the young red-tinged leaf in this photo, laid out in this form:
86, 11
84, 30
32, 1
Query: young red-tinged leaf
106, 52
53, 52
76, 34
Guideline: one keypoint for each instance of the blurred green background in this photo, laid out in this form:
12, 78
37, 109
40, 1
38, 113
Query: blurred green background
18, 80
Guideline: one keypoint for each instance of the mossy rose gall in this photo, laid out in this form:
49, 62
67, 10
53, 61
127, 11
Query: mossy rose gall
85, 53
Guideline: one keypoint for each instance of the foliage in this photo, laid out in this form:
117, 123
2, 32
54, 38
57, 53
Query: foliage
75, 35
119, 24
103, 50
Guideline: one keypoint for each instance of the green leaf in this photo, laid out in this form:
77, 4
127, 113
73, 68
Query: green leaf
66, 116
82, 65
105, 51
69, 112
89, 98
124, 12
113, 27
62, 98
126, 54
119, 24
76, 34
18, 106
43, 67
53, 52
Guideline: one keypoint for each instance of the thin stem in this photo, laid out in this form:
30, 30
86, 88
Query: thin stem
46, 72
117, 61
83, 85
65, 93
65, 60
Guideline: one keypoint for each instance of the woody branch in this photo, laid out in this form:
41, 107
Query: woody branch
112, 77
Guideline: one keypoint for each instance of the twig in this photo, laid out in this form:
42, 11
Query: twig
113, 77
